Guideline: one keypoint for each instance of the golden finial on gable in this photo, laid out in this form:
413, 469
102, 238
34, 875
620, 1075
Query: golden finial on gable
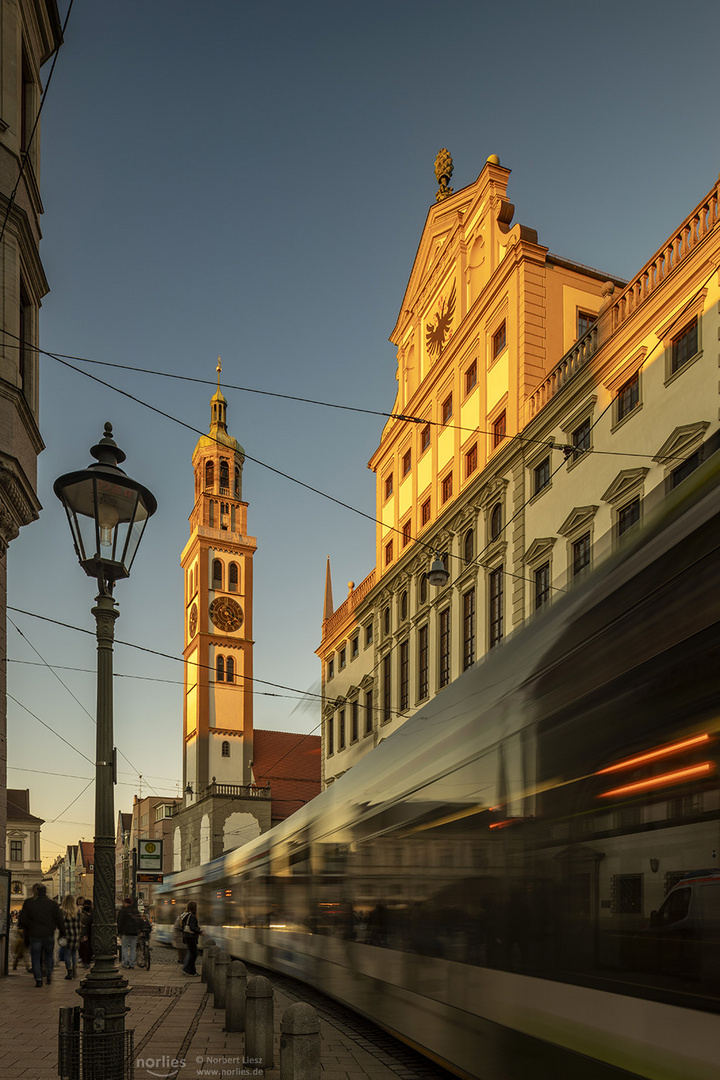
443, 172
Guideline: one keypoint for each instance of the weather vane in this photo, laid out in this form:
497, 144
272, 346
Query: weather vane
219, 369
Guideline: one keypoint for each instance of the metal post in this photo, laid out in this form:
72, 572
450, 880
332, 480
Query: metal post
104, 990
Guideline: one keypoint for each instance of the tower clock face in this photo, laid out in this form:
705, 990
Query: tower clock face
226, 614
192, 623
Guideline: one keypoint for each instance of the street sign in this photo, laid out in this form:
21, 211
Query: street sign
150, 856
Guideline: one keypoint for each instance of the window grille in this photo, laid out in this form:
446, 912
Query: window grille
626, 894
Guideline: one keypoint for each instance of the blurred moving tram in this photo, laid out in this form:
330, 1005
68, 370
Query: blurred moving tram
524, 878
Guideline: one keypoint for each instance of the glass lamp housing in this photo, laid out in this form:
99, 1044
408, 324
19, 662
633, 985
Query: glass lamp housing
107, 512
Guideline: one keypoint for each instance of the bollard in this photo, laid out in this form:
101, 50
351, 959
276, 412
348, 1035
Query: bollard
207, 943
300, 1043
211, 954
220, 971
259, 1022
235, 996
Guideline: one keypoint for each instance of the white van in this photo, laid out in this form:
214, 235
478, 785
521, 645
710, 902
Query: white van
685, 931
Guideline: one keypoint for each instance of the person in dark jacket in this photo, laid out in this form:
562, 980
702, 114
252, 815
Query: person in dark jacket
40, 917
191, 933
128, 924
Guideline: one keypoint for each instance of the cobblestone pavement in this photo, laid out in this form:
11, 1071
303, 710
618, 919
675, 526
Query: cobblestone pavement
179, 1035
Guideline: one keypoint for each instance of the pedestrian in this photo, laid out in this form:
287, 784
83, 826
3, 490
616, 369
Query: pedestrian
40, 917
20, 948
73, 919
85, 944
128, 924
177, 939
191, 933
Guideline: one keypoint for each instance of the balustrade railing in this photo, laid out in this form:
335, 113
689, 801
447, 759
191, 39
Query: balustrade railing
681, 243
349, 604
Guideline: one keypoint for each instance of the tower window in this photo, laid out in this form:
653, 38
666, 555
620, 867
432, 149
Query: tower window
226, 749
230, 669
233, 577
211, 514
217, 582
209, 475
220, 669
224, 478
237, 482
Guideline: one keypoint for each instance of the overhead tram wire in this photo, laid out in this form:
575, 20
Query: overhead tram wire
25, 155
301, 694
429, 547
75, 699
405, 417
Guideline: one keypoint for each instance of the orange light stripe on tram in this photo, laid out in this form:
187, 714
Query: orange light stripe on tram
659, 781
651, 755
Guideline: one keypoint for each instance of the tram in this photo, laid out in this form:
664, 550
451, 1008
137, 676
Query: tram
524, 880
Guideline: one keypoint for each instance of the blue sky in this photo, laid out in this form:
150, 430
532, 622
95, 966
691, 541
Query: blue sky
250, 181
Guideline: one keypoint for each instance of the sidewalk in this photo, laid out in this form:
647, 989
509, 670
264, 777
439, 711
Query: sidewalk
174, 1022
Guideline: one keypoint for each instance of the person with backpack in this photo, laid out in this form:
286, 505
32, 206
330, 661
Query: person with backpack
191, 933
40, 917
128, 925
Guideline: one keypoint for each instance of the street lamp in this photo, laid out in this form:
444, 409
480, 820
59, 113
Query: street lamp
437, 574
107, 512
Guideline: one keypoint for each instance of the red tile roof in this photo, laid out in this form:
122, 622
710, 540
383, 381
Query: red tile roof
87, 851
290, 764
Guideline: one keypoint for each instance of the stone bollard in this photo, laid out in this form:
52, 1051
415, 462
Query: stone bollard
222, 960
207, 944
235, 996
211, 954
300, 1043
259, 1022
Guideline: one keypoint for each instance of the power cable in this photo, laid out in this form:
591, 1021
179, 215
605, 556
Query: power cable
72, 695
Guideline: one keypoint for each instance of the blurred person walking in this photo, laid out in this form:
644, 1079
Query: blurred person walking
128, 924
40, 917
72, 914
191, 933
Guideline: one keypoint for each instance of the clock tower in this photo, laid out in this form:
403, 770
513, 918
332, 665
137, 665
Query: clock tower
218, 568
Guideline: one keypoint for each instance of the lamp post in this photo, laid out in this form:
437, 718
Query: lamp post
107, 512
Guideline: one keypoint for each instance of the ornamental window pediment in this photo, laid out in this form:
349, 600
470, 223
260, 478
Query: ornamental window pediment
540, 549
578, 520
683, 440
627, 482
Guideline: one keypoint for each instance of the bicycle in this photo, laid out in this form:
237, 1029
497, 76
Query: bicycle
143, 954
